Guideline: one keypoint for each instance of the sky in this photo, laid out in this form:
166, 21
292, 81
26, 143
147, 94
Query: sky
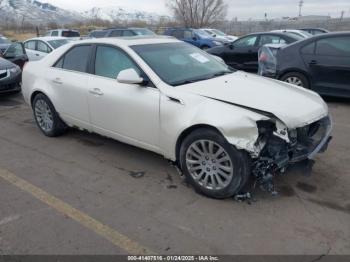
242, 9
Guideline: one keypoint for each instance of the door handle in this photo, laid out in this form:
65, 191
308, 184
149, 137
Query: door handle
96, 91
57, 81
37, 54
313, 62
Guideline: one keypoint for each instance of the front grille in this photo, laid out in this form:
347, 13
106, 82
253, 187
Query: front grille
9, 87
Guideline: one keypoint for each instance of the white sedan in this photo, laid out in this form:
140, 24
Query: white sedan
218, 125
38, 48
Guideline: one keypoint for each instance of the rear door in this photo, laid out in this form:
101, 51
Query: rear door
330, 65
69, 81
30, 47
42, 50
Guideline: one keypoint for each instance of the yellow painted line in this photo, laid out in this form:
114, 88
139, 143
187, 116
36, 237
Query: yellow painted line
118, 239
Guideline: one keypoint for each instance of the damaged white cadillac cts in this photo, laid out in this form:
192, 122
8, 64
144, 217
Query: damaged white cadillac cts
219, 125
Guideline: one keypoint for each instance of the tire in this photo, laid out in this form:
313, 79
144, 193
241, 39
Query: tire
296, 79
205, 47
203, 171
46, 117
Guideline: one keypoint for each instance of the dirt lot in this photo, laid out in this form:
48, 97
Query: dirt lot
85, 194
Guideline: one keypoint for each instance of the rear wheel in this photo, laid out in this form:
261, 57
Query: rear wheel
46, 117
213, 166
296, 78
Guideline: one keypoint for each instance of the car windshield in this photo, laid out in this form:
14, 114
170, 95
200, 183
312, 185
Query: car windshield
202, 33
57, 43
181, 63
4, 40
143, 31
218, 32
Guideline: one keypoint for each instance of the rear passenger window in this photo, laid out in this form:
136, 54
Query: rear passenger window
30, 45
128, 33
335, 46
54, 33
271, 39
116, 33
75, 59
308, 49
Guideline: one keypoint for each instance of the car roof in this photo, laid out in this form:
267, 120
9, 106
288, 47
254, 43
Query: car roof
63, 29
130, 41
47, 38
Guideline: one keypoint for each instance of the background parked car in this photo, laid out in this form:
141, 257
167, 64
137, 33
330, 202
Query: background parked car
10, 72
220, 35
321, 63
315, 31
37, 48
63, 33
4, 43
119, 32
195, 37
300, 33
243, 53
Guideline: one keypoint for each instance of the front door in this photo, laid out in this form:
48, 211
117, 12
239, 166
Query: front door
126, 112
243, 54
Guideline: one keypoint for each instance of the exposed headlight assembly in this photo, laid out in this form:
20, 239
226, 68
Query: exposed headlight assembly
14, 70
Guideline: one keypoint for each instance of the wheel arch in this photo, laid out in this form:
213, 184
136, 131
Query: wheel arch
295, 70
34, 94
187, 132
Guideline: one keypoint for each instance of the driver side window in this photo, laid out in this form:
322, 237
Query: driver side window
246, 41
111, 61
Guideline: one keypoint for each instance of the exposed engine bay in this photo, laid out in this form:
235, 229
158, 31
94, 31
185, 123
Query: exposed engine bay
279, 153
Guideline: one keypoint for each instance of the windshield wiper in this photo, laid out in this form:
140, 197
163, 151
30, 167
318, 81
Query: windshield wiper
191, 81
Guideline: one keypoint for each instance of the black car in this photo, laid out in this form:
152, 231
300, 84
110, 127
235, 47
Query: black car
321, 63
315, 31
11, 63
120, 32
242, 54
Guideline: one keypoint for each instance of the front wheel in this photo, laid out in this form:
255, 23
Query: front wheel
213, 166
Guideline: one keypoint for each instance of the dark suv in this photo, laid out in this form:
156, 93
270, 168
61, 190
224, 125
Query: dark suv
120, 32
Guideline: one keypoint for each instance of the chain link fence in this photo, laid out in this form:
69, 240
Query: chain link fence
246, 27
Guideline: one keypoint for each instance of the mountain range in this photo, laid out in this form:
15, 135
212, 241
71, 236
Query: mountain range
36, 12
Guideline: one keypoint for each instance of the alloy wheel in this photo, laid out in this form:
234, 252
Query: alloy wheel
209, 164
43, 115
294, 81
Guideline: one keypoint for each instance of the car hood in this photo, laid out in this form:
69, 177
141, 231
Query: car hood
294, 106
4, 64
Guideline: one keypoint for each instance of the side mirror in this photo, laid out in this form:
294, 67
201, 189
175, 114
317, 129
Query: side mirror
129, 76
232, 46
